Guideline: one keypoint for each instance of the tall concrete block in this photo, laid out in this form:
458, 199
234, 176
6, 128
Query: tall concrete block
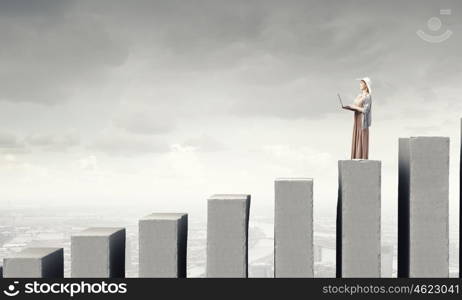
36, 262
98, 252
358, 218
162, 245
317, 253
387, 261
423, 207
293, 227
227, 235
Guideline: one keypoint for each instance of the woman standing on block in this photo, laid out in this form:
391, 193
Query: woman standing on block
362, 120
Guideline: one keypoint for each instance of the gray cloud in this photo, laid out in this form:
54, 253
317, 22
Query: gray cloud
121, 145
244, 58
205, 143
53, 142
289, 59
11, 143
32, 8
49, 53
144, 123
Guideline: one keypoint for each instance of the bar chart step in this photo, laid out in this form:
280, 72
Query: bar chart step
293, 227
35, 262
98, 252
227, 235
358, 219
163, 245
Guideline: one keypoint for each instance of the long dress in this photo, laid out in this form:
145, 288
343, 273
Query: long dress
360, 140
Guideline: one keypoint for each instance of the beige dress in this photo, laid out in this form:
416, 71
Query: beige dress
360, 140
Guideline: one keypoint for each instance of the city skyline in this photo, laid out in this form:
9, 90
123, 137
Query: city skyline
163, 103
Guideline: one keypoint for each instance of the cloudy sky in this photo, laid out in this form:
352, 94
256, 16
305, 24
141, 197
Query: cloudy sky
163, 103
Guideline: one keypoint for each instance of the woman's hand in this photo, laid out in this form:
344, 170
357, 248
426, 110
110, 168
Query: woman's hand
354, 108
348, 107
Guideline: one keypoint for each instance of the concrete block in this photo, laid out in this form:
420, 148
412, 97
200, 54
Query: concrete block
162, 245
36, 262
98, 252
317, 253
293, 227
261, 270
227, 235
460, 200
423, 207
358, 218
387, 261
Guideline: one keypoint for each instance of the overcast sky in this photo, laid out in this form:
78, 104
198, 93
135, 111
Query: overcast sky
167, 102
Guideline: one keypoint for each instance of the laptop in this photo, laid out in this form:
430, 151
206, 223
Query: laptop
340, 99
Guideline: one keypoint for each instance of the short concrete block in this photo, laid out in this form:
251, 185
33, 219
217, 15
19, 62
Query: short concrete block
98, 252
35, 262
227, 235
163, 245
358, 219
293, 227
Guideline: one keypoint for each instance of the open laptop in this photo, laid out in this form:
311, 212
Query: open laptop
340, 99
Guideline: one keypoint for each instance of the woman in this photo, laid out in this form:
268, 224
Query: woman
362, 120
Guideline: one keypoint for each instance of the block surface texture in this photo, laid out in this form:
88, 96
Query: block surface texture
35, 262
98, 252
227, 235
358, 219
163, 245
423, 207
293, 227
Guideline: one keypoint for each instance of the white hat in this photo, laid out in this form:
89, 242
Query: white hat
368, 82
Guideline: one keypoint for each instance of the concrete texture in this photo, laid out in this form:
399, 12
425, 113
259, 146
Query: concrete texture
317, 253
387, 261
37, 262
98, 252
358, 219
423, 207
162, 245
227, 235
293, 227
